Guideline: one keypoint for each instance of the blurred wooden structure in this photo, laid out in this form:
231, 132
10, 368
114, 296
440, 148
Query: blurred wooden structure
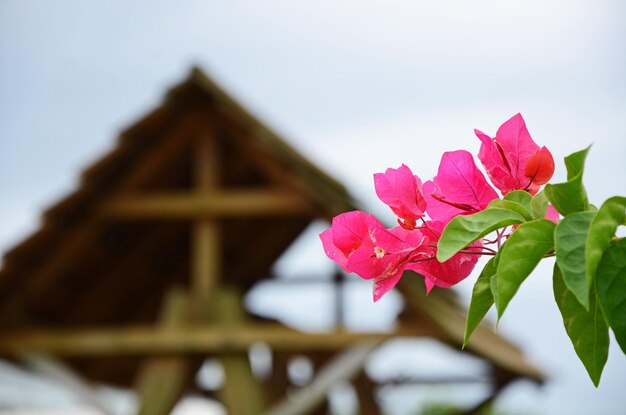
138, 276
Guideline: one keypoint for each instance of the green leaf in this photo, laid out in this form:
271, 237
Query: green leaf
520, 196
611, 287
493, 285
482, 300
463, 230
587, 329
570, 238
601, 231
519, 256
571, 196
539, 205
510, 205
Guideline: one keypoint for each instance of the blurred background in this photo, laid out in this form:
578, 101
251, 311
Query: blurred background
355, 86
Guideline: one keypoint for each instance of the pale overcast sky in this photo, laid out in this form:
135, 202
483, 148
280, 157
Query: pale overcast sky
358, 86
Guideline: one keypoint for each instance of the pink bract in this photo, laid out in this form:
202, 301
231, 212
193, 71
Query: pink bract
401, 190
552, 214
347, 233
448, 273
506, 155
458, 189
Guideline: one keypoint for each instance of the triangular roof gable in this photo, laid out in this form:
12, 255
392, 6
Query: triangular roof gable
153, 156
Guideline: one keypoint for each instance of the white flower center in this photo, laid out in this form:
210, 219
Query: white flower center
379, 252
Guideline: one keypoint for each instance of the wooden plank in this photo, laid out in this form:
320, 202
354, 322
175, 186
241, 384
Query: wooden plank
217, 204
344, 367
190, 339
161, 381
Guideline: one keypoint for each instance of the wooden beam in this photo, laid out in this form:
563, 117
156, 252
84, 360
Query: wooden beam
217, 204
190, 339
161, 381
206, 242
239, 380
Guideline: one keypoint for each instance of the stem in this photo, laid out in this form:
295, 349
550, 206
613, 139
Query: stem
489, 249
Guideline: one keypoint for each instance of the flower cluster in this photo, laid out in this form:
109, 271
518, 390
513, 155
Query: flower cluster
360, 243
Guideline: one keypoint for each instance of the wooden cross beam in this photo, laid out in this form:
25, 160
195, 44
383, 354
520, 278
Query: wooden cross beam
208, 205
188, 339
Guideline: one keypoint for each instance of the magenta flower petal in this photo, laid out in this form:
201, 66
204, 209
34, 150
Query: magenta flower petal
332, 251
438, 210
350, 229
448, 273
429, 284
401, 190
458, 188
384, 283
496, 163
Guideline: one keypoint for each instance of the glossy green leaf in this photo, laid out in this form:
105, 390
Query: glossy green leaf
570, 196
587, 329
570, 238
463, 230
520, 196
510, 205
539, 205
602, 229
482, 300
493, 284
611, 288
519, 256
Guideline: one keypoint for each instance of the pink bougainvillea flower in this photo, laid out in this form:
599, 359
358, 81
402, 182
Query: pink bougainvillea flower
359, 243
506, 157
401, 190
448, 273
458, 189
